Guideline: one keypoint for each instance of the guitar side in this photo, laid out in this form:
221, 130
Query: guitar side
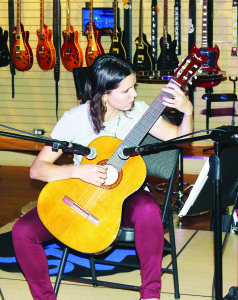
212, 55
167, 59
4, 51
71, 52
143, 59
22, 56
45, 51
94, 47
91, 224
117, 47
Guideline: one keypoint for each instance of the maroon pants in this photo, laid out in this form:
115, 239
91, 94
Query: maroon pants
141, 212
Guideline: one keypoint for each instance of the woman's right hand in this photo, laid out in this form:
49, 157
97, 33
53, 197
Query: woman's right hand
90, 173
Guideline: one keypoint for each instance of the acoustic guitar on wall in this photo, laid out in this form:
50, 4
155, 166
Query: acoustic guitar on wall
45, 50
117, 47
71, 52
22, 56
143, 59
94, 47
86, 217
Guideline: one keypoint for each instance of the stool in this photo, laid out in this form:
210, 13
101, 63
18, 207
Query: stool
219, 98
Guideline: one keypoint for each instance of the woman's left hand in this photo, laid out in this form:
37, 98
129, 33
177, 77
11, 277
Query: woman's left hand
179, 100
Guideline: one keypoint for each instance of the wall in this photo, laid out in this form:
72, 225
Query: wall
33, 106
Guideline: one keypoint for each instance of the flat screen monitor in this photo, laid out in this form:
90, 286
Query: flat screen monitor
102, 18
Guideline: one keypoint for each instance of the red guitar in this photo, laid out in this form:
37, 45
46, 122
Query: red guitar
210, 67
71, 52
45, 51
22, 56
94, 47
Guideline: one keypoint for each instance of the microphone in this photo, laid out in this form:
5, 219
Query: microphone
89, 152
223, 133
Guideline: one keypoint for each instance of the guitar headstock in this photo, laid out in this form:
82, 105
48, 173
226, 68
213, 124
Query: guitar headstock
188, 67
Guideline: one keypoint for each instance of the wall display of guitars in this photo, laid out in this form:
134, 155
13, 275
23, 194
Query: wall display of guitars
22, 56
45, 50
211, 75
167, 60
117, 46
94, 47
4, 51
143, 59
71, 52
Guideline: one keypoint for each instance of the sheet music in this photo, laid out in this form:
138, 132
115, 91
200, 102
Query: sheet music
203, 176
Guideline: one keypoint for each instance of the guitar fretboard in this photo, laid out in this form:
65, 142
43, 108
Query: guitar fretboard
204, 25
154, 30
68, 18
177, 26
18, 17
41, 16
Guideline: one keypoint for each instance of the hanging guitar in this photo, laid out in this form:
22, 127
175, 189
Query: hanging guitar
45, 50
167, 59
4, 51
143, 59
94, 47
71, 52
86, 217
210, 67
117, 47
22, 56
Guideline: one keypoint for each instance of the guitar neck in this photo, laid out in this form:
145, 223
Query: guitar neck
140, 39
154, 31
165, 29
177, 25
68, 18
90, 16
18, 17
114, 19
204, 25
41, 16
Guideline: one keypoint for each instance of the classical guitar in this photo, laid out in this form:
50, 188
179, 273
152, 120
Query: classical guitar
22, 56
45, 50
71, 52
117, 47
4, 51
86, 217
94, 47
210, 66
167, 59
143, 59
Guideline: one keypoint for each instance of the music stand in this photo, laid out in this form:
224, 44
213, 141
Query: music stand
215, 192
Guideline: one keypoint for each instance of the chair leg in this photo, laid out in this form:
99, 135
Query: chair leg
92, 264
61, 270
173, 253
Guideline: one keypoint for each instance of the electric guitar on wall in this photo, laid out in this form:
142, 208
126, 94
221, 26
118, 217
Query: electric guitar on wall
167, 59
22, 56
117, 48
45, 50
86, 217
143, 59
4, 51
211, 53
94, 47
71, 52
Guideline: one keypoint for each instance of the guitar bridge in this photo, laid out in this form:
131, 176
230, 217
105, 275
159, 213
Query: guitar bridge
80, 210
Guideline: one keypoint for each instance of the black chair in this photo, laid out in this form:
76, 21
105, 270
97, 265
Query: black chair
164, 165
210, 97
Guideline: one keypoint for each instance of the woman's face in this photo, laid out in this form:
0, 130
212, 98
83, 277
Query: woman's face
122, 98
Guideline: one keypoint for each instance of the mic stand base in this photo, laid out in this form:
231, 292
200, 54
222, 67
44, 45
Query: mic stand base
233, 294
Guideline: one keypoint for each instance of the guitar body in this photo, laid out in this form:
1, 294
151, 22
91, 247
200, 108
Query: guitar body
167, 59
45, 50
94, 47
4, 51
143, 59
212, 55
22, 56
93, 225
71, 52
117, 47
